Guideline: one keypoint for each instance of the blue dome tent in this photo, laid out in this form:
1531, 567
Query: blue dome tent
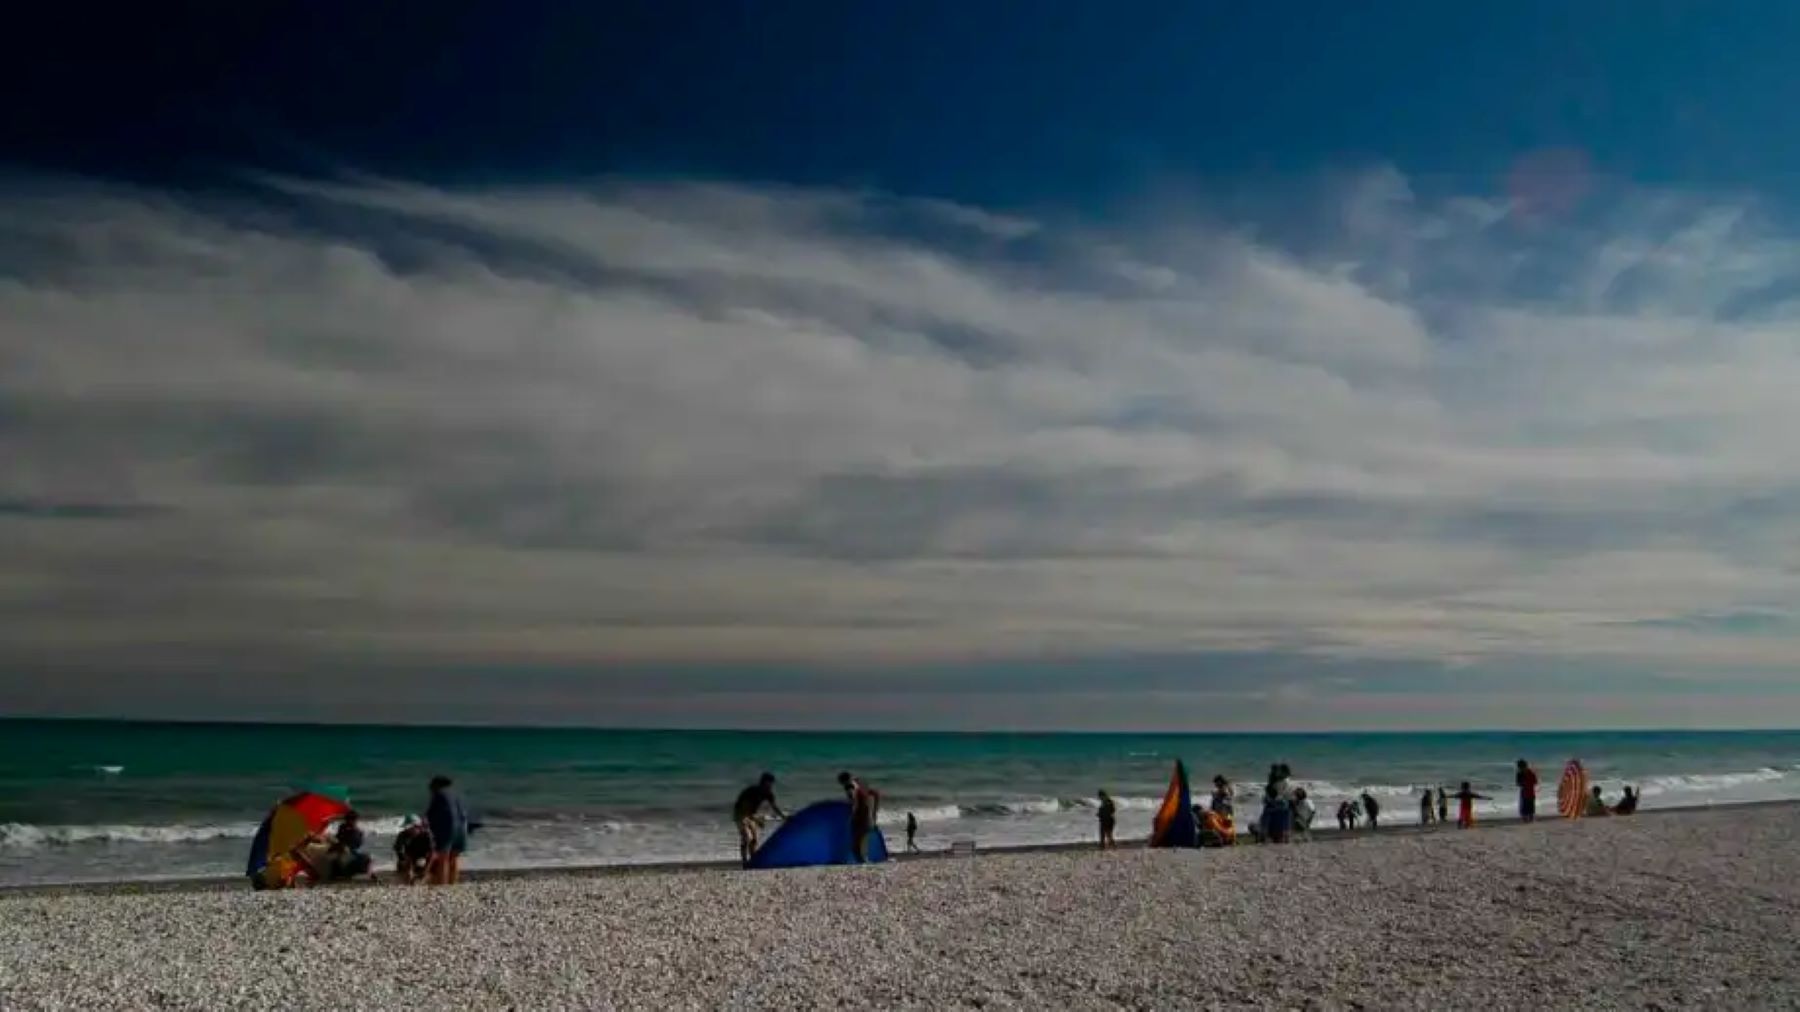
817, 834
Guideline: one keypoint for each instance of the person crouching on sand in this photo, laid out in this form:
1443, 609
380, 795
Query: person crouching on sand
746, 812
1304, 811
1465, 810
412, 850
1343, 815
1596, 804
865, 808
1109, 814
1627, 804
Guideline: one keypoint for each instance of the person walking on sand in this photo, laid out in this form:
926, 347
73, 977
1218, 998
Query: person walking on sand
746, 813
1527, 779
1425, 812
449, 822
865, 809
1465, 810
1373, 808
1443, 805
1109, 814
912, 833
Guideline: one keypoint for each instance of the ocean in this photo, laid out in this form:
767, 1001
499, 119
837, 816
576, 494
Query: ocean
100, 801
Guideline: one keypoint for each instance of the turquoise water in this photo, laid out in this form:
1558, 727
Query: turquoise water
104, 800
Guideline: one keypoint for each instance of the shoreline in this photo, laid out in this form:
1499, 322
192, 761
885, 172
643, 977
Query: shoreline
216, 883
1693, 910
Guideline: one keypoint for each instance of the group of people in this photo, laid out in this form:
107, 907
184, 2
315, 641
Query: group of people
1287, 812
865, 810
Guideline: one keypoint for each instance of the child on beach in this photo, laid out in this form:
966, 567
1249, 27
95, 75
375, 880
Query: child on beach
1627, 804
1596, 804
1465, 812
1303, 814
912, 833
1425, 813
1343, 816
1221, 795
1373, 807
1108, 818
1443, 805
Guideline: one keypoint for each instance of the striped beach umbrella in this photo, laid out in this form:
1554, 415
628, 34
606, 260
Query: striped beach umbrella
1572, 791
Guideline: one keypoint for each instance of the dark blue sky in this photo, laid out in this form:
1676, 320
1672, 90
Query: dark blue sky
1000, 104
1247, 365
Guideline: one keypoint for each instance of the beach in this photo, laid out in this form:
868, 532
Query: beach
1692, 908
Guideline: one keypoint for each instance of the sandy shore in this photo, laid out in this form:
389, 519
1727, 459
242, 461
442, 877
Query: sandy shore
1695, 908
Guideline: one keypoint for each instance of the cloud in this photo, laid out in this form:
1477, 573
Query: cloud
387, 424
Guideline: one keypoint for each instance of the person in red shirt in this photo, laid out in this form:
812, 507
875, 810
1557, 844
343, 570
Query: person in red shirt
1527, 779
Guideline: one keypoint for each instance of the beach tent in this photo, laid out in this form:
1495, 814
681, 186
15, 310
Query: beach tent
275, 857
1572, 791
1175, 825
817, 834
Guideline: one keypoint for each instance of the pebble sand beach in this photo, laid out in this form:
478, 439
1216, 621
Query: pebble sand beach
1688, 909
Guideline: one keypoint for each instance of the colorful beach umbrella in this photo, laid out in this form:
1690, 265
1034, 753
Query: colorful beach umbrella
273, 857
1572, 791
1175, 825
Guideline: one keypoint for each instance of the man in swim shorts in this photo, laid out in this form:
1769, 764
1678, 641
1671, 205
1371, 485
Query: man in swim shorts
865, 808
745, 812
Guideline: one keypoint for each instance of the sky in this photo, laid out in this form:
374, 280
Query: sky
1147, 366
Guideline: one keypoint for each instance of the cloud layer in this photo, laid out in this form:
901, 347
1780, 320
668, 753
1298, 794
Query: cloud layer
385, 424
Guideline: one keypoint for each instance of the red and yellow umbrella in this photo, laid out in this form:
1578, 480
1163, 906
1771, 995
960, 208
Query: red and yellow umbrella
275, 858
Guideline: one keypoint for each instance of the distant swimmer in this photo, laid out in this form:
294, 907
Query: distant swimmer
912, 833
746, 813
865, 808
1465, 811
1109, 816
1527, 779
1373, 808
1627, 804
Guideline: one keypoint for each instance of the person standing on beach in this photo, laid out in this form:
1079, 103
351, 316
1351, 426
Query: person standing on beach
865, 808
1109, 814
1373, 808
1443, 805
912, 833
747, 814
1425, 813
1465, 811
449, 822
1527, 779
